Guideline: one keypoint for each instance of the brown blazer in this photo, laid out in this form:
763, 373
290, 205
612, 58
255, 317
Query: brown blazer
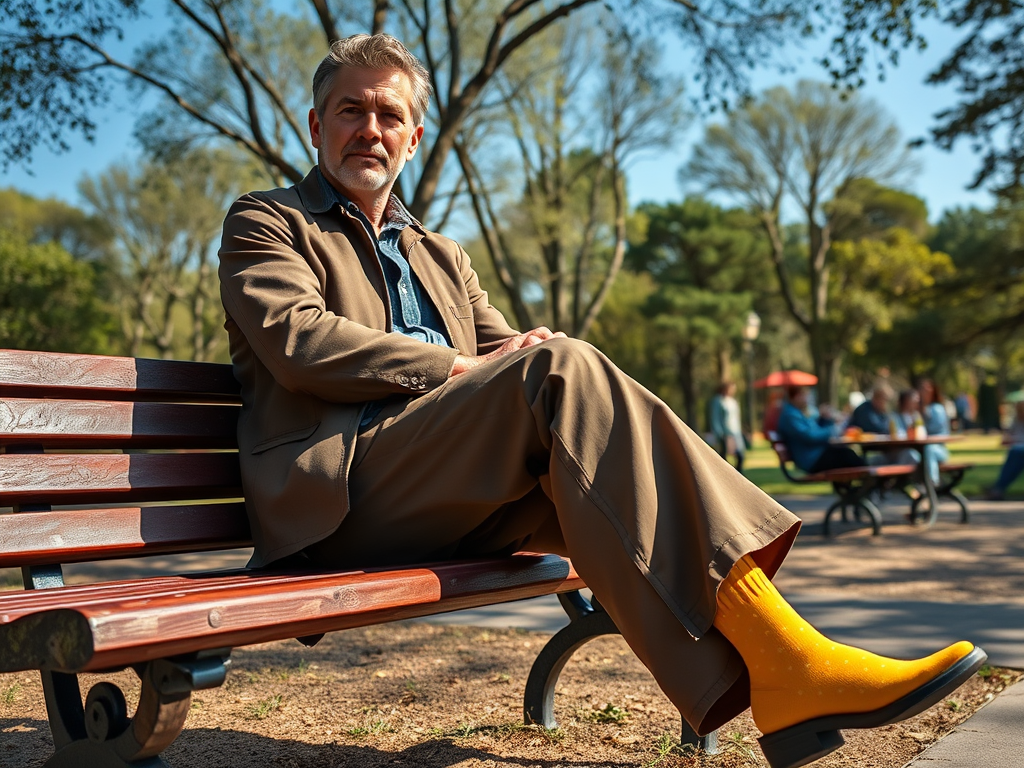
308, 320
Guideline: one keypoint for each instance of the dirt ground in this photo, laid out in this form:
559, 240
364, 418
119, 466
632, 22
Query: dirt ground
415, 694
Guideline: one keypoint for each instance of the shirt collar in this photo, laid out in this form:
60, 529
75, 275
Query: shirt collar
395, 213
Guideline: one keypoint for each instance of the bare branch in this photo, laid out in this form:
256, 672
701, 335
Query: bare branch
326, 20
503, 267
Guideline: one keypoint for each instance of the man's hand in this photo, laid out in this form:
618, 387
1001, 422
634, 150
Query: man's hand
464, 363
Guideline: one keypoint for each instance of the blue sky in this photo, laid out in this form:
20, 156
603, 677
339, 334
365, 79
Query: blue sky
941, 182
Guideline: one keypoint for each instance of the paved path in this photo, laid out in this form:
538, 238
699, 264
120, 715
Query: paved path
992, 738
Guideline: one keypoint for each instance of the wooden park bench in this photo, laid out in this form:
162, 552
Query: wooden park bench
104, 458
853, 486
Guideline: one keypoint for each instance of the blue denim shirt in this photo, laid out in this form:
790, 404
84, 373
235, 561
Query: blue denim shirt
412, 312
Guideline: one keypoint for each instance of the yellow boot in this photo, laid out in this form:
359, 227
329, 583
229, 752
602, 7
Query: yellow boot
804, 687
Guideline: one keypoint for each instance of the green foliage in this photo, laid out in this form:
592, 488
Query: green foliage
704, 265
875, 281
166, 221
48, 300
988, 69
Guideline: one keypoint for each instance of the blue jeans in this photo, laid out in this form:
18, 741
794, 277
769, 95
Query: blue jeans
1012, 467
933, 456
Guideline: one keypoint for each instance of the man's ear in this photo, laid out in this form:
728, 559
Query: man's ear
314, 129
414, 142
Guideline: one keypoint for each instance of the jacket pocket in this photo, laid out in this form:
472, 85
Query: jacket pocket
287, 437
462, 311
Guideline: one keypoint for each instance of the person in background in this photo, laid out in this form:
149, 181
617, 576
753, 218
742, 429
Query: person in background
726, 425
964, 414
873, 415
936, 422
1013, 465
808, 439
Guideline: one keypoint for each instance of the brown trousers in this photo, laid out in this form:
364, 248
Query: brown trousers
554, 449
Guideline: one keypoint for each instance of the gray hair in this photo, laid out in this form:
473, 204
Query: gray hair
372, 52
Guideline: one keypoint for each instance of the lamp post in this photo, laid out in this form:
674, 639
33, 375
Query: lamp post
751, 329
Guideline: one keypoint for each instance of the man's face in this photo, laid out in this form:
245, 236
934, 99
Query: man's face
881, 401
366, 133
800, 399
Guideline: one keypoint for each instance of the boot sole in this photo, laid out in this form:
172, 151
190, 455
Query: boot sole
810, 740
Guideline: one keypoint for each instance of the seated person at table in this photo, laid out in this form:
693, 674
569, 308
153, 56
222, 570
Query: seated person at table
1013, 465
808, 439
873, 415
936, 422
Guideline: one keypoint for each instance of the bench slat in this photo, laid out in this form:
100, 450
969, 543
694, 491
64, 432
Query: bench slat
191, 614
73, 536
99, 377
90, 423
85, 478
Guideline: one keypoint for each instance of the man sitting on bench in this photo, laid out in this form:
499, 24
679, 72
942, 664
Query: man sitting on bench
808, 439
390, 415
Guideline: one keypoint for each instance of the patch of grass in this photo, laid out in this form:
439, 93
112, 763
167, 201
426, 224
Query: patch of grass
954, 705
737, 742
761, 467
665, 744
377, 726
260, 710
610, 713
502, 678
10, 695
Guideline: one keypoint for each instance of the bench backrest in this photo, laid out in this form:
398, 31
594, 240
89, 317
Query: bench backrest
107, 457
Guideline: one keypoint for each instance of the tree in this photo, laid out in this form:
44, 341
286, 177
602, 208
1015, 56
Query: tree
708, 264
566, 234
807, 148
166, 220
237, 71
43, 221
48, 299
876, 280
988, 70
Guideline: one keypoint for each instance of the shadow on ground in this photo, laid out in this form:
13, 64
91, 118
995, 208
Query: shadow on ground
26, 744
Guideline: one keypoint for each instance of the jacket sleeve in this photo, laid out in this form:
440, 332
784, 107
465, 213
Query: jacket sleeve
801, 429
273, 295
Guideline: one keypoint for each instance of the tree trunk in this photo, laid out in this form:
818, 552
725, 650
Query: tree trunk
687, 384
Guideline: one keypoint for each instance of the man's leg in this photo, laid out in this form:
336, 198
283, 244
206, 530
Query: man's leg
837, 457
1012, 467
651, 516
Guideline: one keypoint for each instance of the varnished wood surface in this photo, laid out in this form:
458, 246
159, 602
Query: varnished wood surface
34, 538
91, 423
99, 377
87, 478
134, 621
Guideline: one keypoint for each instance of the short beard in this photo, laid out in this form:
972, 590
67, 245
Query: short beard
368, 179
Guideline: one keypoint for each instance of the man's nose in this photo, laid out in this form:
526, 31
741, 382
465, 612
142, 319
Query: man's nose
369, 127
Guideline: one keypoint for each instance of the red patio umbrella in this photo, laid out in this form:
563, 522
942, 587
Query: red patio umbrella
787, 379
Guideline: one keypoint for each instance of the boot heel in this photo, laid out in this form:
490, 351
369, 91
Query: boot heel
792, 747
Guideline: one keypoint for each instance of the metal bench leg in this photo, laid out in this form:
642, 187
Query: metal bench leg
873, 512
837, 505
959, 498
587, 621
101, 735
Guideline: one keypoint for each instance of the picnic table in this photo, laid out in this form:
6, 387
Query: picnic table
868, 441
